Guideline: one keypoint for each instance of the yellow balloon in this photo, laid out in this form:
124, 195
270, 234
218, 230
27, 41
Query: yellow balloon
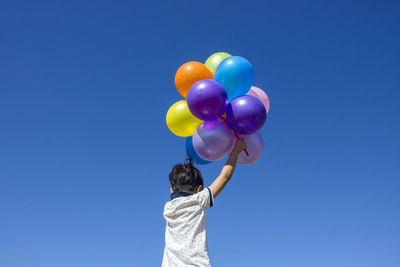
213, 61
180, 120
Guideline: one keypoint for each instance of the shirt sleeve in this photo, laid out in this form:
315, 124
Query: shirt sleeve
206, 198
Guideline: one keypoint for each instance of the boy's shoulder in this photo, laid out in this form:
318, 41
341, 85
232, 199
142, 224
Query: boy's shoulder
203, 199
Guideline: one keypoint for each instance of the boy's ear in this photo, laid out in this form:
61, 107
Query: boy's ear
171, 190
199, 188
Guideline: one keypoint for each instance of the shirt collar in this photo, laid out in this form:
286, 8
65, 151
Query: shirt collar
177, 194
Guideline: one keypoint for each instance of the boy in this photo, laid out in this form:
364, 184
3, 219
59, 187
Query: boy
186, 232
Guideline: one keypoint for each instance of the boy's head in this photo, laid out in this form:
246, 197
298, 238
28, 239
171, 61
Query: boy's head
185, 177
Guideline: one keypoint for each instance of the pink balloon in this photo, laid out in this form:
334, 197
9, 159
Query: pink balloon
260, 95
255, 147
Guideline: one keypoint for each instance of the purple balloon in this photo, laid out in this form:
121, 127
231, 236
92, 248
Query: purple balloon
246, 114
207, 100
255, 146
212, 140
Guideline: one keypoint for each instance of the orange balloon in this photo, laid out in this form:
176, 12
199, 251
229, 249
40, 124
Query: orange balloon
190, 73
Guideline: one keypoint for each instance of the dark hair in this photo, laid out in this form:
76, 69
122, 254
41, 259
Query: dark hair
185, 177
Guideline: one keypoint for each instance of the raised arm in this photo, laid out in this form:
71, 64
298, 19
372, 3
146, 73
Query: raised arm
228, 169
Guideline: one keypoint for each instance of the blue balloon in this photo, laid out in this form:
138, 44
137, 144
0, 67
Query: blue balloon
192, 154
236, 75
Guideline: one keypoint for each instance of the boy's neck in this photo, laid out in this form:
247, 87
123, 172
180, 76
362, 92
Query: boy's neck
177, 194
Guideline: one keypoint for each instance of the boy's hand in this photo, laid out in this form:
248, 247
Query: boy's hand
239, 146
228, 169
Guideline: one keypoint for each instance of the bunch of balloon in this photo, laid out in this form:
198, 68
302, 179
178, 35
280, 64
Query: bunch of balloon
221, 105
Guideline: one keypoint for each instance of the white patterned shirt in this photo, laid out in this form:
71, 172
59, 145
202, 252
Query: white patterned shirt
186, 229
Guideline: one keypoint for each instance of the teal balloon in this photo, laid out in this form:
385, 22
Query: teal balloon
192, 153
236, 75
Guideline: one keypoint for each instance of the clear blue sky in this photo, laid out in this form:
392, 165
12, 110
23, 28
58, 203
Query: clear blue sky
85, 151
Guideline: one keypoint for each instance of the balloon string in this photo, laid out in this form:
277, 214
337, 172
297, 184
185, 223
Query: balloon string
237, 136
